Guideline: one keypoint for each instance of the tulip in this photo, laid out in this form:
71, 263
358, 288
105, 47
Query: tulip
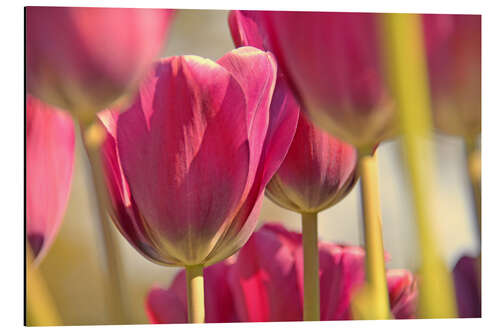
187, 164
318, 171
453, 47
83, 59
50, 147
264, 281
466, 275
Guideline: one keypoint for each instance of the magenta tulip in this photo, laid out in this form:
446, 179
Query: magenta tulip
467, 278
83, 59
188, 162
333, 63
264, 283
50, 146
319, 170
453, 45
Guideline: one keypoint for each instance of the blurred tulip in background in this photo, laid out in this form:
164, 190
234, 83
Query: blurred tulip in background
50, 147
339, 80
83, 59
453, 47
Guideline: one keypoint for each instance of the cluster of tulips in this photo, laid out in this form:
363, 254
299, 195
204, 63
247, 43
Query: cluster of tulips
184, 149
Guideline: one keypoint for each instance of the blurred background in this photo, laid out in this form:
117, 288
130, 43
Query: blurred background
74, 268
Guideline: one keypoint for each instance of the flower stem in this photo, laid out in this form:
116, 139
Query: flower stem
195, 294
40, 307
311, 266
92, 137
474, 171
407, 74
376, 282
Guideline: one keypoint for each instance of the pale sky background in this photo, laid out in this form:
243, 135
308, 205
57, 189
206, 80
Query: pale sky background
72, 267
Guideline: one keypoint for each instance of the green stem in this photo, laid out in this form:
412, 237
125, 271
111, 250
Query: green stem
376, 283
195, 294
92, 137
311, 266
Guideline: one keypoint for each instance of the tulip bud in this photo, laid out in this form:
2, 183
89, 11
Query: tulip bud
453, 46
84, 59
187, 163
332, 61
50, 146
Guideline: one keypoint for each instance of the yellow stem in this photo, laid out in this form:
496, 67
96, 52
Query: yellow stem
474, 171
407, 74
195, 294
40, 307
92, 137
311, 266
376, 283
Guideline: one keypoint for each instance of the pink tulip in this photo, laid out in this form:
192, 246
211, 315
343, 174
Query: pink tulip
50, 146
188, 162
467, 278
83, 59
333, 63
265, 283
453, 44
319, 170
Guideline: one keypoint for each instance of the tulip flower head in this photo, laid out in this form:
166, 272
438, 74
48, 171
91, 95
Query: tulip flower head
453, 46
317, 172
187, 163
263, 282
83, 59
333, 63
50, 146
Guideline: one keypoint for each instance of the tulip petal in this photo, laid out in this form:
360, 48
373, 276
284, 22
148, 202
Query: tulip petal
341, 274
403, 293
124, 212
282, 125
255, 71
264, 280
50, 145
186, 159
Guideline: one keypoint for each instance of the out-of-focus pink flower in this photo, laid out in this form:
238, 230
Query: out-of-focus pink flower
83, 59
403, 293
265, 283
467, 287
50, 146
188, 162
453, 45
333, 63
319, 170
